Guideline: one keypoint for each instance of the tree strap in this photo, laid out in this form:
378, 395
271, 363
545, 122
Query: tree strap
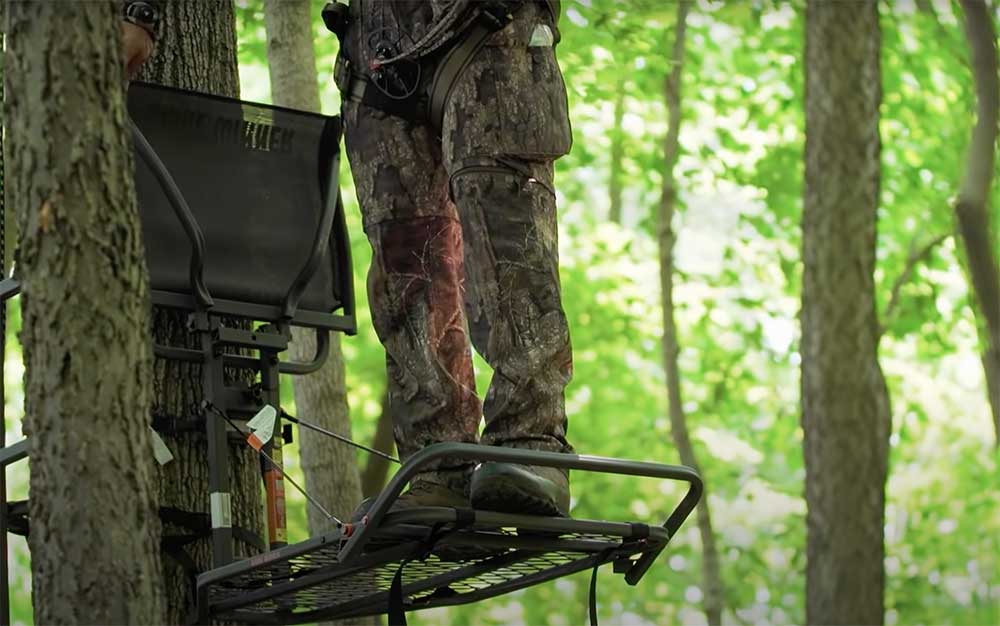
200, 526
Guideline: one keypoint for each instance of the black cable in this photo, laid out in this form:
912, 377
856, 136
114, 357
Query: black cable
342, 438
313, 501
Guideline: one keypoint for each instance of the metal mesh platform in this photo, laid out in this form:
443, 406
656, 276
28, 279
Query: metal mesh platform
475, 554
498, 554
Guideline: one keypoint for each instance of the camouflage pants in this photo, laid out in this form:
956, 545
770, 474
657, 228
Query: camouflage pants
463, 232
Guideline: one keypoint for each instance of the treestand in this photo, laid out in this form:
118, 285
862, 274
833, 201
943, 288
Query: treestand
261, 180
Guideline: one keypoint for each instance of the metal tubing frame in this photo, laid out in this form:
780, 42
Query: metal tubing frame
479, 453
345, 322
184, 215
14, 453
321, 242
235, 360
220, 498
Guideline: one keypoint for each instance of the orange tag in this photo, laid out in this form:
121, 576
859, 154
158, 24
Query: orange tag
255, 442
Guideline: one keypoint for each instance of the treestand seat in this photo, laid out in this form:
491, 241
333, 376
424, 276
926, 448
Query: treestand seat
266, 227
411, 559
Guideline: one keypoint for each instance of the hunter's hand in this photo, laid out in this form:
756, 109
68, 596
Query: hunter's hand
137, 47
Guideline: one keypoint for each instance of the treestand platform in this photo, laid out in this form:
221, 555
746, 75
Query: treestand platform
438, 556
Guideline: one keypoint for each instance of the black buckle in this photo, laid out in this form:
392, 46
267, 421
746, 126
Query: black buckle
497, 15
336, 18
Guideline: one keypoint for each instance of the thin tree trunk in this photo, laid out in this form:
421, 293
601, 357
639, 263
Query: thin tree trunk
972, 207
330, 467
196, 49
711, 574
94, 526
376, 472
845, 403
615, 184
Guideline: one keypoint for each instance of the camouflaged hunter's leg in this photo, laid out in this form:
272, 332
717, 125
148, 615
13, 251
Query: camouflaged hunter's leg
414, 282
505, 125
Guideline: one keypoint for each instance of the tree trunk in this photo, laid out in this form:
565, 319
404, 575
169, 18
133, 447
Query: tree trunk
94, 526
196, 49
330, 466
615, 185
973, 197
376, 472
711, 574
845, 403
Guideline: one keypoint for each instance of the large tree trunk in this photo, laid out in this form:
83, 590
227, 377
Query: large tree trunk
972, 207
94, 526
711, 574
196, 49
330, 466
845, 404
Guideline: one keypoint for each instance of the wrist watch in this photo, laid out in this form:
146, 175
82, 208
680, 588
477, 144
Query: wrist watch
143, 14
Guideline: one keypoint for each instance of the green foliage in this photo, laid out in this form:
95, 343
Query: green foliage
737, 298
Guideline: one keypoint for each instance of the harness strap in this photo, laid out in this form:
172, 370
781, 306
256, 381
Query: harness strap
201, 527
592, 599
592, 604
396, 613
428, 104
454, 63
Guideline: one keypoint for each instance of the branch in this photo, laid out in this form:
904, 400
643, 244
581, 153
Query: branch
916, 256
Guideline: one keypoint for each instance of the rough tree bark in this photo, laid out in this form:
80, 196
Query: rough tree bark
85, 301
972, 207
330, 466
196, 49
845, 403
711, 574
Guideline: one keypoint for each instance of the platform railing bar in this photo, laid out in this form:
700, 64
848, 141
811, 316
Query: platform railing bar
264, 312
272, 557
492, 519
533, 544
472, 452
14, 452
9, 287
673, 524
190, 355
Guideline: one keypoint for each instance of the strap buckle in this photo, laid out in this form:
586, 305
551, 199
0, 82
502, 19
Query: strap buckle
498, 14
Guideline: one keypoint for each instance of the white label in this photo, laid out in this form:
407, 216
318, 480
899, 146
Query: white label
542, 37
222, 512
263, 423
160, 450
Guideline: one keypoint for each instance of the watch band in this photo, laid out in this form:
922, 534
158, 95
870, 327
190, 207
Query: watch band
143, 13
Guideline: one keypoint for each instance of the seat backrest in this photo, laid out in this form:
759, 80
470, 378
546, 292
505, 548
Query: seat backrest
257, 179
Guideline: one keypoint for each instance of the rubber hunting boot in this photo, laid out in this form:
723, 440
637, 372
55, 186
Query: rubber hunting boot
522, 489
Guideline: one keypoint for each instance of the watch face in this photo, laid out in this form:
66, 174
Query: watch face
141, 12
